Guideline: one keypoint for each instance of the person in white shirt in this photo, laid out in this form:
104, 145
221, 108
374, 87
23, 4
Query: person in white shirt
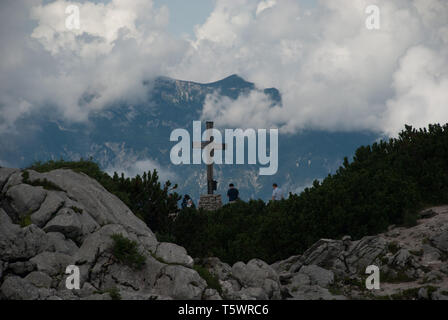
277, 193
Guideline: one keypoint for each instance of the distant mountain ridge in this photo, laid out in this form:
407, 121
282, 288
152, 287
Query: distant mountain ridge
132, 138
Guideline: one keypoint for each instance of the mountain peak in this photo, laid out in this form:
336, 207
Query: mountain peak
233, 81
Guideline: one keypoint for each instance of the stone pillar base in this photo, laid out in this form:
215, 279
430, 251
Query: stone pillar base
210, 202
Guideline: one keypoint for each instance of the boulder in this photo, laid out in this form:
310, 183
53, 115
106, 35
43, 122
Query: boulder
258, 274
180, 283
217, 268
317, 275
284, 266
298, 280
5, 173
26, 199
72, 225
104, 207
365, 252
98, 242
426, 214
423, 294
314, 292
433, 276
254, 273
10, 178
86, 290
324, 253
401, 259
430, 255
58, 243
66, 222
173, 254
211, 294
65, 294
39, 279
16, 288
440, 241
440, 294
106, 275
20, 243
251, 294
230, 288
52, 263
21, 268
49, 208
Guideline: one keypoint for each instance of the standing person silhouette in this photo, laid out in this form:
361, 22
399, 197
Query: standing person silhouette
232, 193
187, 202
277, 193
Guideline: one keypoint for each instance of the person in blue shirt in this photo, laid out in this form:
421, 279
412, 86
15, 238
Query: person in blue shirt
277, 193
232, 193
187, 202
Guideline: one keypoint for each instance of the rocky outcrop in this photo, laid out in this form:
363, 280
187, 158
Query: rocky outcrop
72, 220
412, 264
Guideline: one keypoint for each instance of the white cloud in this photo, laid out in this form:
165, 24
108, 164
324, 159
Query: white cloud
421, 86
332, 72
118, 46
141, 166
263, 5
248, 111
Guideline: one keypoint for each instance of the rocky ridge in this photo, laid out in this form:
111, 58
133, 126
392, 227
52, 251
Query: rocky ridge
49, 221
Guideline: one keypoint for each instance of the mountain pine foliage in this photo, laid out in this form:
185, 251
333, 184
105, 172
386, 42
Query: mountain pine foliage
385, 183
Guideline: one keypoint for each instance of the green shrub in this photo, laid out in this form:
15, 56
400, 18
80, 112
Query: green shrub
76, 209
115, 294
126, 252
47, 185
393, 247
212, 281
431, 290
25, 221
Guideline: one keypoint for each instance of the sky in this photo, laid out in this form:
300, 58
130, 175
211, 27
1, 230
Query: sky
185, 15
334, 73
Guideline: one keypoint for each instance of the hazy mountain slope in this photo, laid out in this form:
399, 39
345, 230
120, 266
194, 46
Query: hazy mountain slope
136, 137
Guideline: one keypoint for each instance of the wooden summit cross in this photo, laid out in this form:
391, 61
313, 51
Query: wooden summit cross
211, 184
